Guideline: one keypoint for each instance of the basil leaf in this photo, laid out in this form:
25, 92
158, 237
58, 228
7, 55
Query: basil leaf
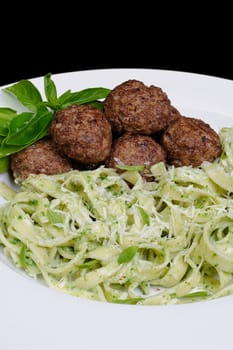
6, 115
26, 93
127, 254
17, 125
4, 164
50, 90
84, 96
97, 104
64, 97
6, 150
27, 127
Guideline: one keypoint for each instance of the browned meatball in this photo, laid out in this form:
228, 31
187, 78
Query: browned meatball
137, 108
190, 141
82, 133
175, 114
132, 149
39, 158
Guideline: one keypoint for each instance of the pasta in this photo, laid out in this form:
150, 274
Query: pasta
116, 238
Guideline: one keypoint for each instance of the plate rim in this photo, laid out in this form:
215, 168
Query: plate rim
123, 313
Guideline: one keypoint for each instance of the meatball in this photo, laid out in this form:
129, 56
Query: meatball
190, 141
136, 108
135, 149
82, 133
38, 158
175, 114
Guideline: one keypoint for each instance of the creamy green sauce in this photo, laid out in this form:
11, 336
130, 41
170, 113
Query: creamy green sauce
116, 238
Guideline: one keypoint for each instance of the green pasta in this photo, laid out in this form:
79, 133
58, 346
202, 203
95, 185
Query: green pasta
116, 238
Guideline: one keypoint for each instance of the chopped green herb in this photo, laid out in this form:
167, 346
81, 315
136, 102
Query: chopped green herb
131, 301
145, 216
22, 257
127, 254
130, 167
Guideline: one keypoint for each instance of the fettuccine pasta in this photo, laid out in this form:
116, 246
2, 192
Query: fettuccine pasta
116, 238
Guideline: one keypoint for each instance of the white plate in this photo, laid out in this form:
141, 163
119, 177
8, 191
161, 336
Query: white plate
33, 316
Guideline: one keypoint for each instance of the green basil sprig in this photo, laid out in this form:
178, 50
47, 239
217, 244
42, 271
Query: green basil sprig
27, 94
83, 97
19, 130
90, 96
6, 115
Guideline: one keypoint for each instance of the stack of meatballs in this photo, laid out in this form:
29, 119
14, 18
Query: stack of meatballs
138, 126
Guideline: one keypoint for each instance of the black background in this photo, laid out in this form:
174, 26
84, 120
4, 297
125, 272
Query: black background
38, 40
24, 70
27, 68
35, 64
